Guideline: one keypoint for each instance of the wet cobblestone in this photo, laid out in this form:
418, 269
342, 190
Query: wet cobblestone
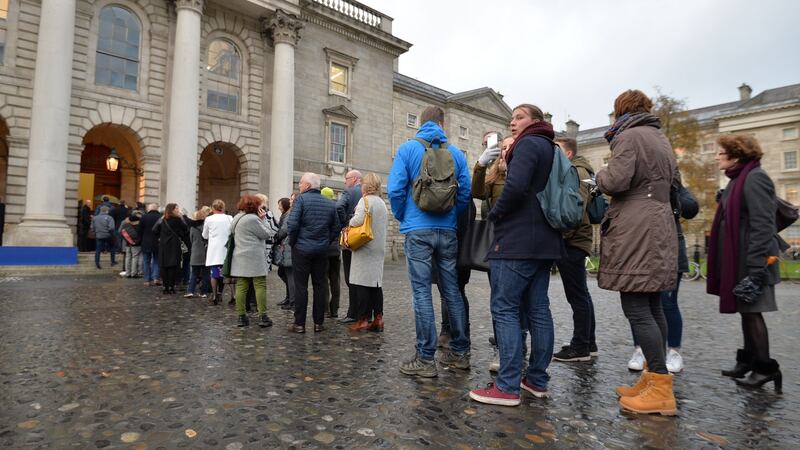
94, 362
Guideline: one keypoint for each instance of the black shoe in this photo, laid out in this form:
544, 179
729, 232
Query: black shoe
98, 266
493, 341
244, 321
232, 301
284, 302
763, 372
569, 354
744, 364
265, 321
346, 320
288, 307
334, 315
593, 349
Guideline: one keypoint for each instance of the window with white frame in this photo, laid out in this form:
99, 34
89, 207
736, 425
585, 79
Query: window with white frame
463, 132
224, 76
412, 120
3, 19
118, 44
338, 142
708, 147
790, 160
789, 133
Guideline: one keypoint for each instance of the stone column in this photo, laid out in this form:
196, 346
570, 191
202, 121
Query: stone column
284, 30
184, 108
43, 223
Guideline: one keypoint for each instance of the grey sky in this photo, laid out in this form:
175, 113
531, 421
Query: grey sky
573, 58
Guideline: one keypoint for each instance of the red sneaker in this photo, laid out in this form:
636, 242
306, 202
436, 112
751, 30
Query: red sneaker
493, 396
536, 391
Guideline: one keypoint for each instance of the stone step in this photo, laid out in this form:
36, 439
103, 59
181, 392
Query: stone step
85, 266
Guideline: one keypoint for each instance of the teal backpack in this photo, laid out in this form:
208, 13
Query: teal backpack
561, 200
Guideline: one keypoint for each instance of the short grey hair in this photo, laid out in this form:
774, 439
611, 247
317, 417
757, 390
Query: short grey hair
104, 210
152, 207
312, 179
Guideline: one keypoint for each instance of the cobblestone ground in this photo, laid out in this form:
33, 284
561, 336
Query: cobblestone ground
94, 362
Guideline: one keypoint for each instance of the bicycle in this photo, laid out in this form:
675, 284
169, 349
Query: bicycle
591, 268
695, 272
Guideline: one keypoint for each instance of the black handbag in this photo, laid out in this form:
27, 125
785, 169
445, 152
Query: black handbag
476, 243
785, 215
229, 247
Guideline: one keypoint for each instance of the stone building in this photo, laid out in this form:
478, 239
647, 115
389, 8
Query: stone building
772, 116
190, 100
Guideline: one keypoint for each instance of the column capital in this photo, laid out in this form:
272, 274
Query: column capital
282, 27
194, 5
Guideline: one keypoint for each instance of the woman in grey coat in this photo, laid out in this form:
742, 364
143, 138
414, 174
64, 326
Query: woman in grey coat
199, 273
248, 263
743, 253
366, 266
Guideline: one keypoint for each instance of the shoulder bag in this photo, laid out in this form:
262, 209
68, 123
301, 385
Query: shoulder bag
475, 246
226, 265
356, 237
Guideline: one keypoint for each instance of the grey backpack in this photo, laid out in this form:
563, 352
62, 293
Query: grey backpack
434, 190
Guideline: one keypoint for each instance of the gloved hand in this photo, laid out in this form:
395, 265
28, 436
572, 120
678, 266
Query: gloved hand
748, 290
488, 155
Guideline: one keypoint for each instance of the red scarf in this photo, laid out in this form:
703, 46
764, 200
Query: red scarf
540, 128
723, 267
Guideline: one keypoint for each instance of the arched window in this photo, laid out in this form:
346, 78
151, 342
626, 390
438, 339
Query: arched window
224, 76
118, 48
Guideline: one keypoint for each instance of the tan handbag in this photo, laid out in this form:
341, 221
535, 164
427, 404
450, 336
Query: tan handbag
356, 237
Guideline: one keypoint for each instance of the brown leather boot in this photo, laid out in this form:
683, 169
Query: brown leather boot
377, 324
656, 397
633, 391
361, 325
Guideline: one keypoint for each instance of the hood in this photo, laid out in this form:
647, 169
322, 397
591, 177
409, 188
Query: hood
580, 161
430, 131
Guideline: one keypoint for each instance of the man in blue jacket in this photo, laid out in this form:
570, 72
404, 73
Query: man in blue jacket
430, 238
313, 224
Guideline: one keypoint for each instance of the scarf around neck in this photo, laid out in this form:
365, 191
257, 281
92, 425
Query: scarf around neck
723, 263
629, 120
540, 128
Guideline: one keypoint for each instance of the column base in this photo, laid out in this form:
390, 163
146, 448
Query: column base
40, 232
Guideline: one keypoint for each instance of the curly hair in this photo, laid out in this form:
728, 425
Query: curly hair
249, 204
742, 146
632, 101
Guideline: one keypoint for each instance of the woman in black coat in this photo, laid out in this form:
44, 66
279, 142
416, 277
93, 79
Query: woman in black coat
742, 256
170, 231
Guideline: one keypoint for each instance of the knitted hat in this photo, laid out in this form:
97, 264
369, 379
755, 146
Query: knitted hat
328, 193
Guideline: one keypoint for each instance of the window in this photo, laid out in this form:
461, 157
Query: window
338, 142
339, 75
789, 133
708, 148
3, 17
793, 194
223, 76
463, 132
790, 160
118, 48
412, 121
3, 9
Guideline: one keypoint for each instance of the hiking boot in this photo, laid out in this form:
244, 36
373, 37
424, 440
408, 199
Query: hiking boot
264, 321
419, 367
569, 354
493, 396
656, 398
455, 359
632, 391
536, 391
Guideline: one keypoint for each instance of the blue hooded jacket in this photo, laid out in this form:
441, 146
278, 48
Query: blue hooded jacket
405, 170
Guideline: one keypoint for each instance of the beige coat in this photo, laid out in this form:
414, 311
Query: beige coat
639, 242
366, 265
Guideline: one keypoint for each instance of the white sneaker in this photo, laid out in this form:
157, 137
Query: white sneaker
495, 364
637, 360
674, 361
123, 273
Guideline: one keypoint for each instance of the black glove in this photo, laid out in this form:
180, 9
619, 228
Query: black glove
748, 290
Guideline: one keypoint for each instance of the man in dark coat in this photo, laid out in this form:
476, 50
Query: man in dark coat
346, 207
150, 245
119, 213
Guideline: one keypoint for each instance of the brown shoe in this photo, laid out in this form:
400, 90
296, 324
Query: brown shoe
318, 327
377, 324
361, 325
297, 329
656, 397
633, 391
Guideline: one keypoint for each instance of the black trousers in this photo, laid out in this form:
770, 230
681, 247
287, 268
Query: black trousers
463, 279
285, 274
168, 275
334, 268
644, 312
352, 307
573, 274
317, 267
370, 300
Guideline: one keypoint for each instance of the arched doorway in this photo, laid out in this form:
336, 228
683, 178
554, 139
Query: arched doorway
220, 175
124, 183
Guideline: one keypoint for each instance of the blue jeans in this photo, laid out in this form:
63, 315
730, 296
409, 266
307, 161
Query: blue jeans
151, 272
519, 288
104, 244
669, 303
422, 247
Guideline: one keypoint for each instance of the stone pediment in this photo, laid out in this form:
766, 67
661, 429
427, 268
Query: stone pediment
485, 98
340, 111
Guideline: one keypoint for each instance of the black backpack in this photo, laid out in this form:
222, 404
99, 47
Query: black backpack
434, 190
598, 204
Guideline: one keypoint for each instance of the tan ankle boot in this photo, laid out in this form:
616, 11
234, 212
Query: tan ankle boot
656, 397
632, 391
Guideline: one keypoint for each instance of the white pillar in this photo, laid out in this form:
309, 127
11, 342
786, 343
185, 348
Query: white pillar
43, 223
184, 108
284, 29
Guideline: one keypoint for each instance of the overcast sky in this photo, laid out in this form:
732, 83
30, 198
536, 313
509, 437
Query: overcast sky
572, 58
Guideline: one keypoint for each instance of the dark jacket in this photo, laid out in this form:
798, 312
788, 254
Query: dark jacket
199, 245
134, 230
149, 240
313, 223
119, 213
520, 228
103, 226
169, 237
346, 205
686, 208
581, 237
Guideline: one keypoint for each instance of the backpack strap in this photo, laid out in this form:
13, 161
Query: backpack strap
427, 145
